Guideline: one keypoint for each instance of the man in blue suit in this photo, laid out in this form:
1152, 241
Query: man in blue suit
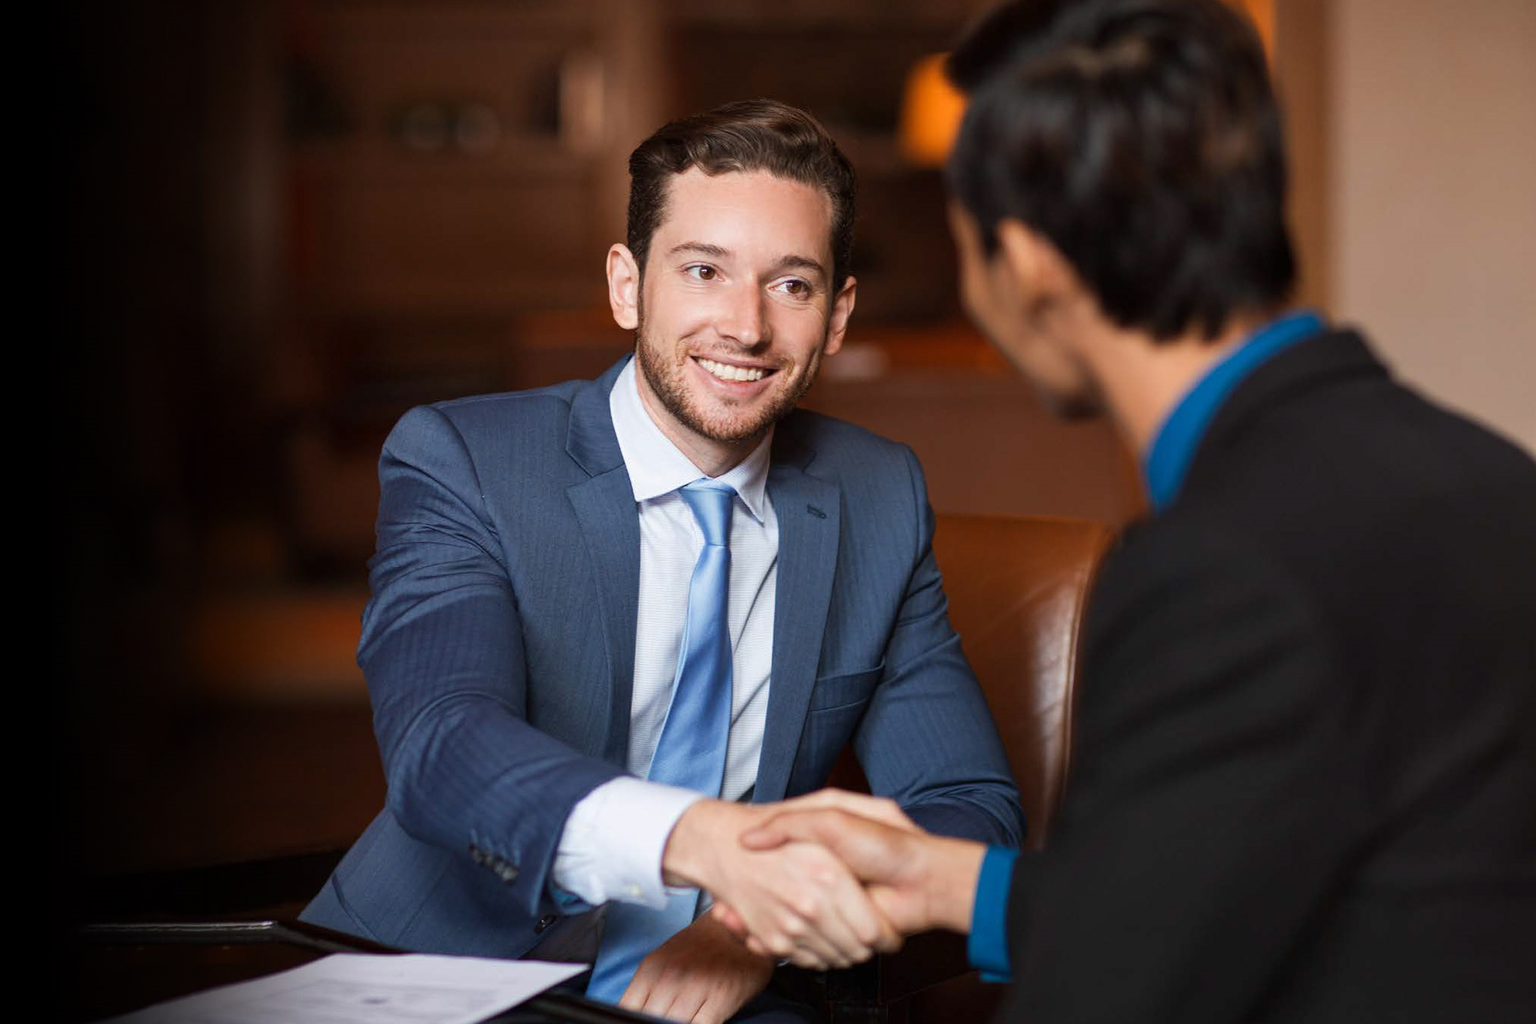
586, 683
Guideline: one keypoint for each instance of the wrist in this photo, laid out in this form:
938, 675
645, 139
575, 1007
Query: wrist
955, 867
687, 858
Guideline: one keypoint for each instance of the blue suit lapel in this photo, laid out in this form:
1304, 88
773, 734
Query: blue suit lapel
808, 511
610, 529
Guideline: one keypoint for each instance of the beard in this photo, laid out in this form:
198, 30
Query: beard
1074, 407
1083, 402
666, 382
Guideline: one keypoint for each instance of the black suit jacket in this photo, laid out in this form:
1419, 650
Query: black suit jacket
1304, 776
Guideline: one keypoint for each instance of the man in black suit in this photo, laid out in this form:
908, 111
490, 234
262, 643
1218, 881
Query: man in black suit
1304, 776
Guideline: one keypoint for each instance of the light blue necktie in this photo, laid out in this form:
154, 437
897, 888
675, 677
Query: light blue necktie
691, 750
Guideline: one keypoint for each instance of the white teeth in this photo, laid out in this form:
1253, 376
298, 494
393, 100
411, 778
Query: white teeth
725, 372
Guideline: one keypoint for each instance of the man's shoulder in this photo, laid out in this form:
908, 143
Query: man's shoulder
1349, 494
1326, 431
477, 420
838, 443
551, 401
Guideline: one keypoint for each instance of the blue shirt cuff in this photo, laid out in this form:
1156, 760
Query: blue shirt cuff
987, 947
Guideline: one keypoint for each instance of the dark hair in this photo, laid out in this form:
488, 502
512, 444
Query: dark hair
748, 135
1142, 138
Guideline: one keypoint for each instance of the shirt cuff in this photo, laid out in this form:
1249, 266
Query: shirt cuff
613, 841
987, 946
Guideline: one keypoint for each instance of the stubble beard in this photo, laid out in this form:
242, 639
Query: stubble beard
1075, 407
666, 382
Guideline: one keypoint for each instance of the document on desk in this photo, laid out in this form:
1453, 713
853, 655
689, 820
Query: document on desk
357, 988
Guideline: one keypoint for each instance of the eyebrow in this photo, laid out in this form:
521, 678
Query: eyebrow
701, 248
791, 261
796, 262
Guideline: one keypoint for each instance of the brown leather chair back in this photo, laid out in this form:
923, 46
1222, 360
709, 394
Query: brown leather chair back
1017, 591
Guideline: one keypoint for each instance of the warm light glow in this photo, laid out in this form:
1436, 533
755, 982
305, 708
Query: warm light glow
1262, 14
931, 110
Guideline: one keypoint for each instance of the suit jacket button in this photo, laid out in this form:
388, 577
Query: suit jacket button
544, 922
506, 872
476, 854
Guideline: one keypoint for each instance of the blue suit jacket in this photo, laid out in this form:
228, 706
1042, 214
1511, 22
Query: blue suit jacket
499, 653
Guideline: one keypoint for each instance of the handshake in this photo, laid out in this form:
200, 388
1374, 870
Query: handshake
823, 880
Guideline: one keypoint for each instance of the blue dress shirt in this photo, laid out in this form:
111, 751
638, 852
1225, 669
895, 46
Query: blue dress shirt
987, 945
1164, 468
1173, 446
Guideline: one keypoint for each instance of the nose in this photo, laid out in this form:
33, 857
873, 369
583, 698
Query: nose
743, 318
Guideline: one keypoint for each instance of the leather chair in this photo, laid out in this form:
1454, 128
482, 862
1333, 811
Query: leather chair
1017, 591
1017, 588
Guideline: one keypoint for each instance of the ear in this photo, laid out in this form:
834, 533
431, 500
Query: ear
623, 286
842, 309
1041, 273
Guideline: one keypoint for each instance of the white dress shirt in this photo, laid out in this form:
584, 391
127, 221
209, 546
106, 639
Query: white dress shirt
612, 844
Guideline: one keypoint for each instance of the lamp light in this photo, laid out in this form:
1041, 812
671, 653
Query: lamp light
931, 109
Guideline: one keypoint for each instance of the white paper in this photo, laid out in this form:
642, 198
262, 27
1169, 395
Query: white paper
360, 988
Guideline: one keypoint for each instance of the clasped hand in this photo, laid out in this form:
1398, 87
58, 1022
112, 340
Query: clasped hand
824, 880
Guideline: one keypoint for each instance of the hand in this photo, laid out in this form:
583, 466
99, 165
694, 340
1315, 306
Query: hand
876, 808
918, 881
702, 975
798, 901
879, 809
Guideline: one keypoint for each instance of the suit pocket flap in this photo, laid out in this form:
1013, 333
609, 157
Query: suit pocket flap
845, 688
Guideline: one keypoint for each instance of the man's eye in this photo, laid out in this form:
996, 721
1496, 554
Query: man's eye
702, 271
795, 288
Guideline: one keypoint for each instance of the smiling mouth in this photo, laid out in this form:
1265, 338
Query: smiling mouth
727, 372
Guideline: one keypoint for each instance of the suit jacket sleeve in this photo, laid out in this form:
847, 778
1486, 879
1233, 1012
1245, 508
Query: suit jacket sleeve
442, 653
928, 740
1203, 822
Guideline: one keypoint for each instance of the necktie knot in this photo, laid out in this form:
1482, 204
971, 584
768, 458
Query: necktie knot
711, 505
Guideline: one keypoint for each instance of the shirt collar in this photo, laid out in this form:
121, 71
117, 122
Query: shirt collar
1173, 446
656, 466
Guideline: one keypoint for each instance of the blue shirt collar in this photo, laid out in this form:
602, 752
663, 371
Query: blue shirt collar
1173, 446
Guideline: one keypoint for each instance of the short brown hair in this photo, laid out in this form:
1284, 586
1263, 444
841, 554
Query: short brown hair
748, 135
